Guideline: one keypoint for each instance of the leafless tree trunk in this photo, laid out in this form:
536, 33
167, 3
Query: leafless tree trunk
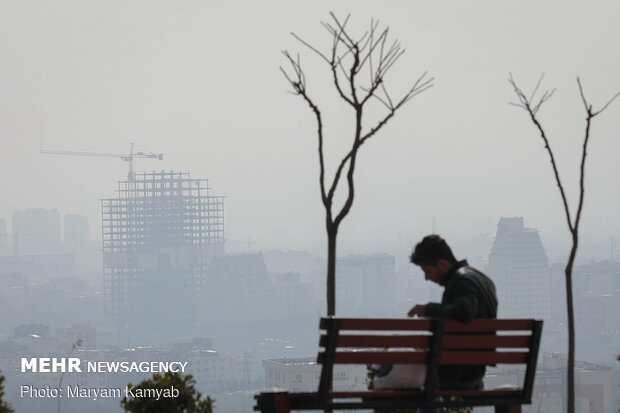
348, 59
531, 105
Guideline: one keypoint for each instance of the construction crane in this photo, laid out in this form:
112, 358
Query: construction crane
125, 157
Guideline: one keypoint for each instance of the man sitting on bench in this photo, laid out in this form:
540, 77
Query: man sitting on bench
468, 294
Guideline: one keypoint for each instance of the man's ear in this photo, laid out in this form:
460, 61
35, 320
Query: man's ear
444, 265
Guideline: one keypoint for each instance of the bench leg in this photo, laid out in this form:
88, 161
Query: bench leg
508, 409
273, 403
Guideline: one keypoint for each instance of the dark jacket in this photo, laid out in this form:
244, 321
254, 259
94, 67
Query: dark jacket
468, 294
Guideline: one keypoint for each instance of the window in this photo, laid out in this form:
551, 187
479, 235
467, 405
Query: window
341, 375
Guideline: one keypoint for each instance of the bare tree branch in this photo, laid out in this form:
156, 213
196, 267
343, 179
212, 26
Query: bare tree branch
607, 104
336, 61
338, 87
540, 79
309, 46
342, 26
526, 104
300, 89
582, 169
583, 98
347, 59
387, 96
419, 87
531, 107
374, 43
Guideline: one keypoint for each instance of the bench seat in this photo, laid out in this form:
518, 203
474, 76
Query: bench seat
437, 342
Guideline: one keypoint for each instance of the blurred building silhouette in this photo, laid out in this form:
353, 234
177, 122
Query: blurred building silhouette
21, 266
36, 231
365, 284
4, 237
35, 248
303, 374
593, 385
596, 297
519, 266
240, 290
76, 241
75, 233
159, 234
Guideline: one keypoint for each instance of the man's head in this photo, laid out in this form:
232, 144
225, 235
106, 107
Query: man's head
434, 256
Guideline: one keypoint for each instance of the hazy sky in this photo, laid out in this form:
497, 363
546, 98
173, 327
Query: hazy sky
199, 82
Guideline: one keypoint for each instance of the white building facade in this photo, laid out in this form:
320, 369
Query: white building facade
519, 266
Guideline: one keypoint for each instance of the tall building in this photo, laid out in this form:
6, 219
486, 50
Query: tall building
75, 233
4, 240
241, 294
596, 291
36, 231
519, 266
365, 284
77, 243
238, 291
159, 235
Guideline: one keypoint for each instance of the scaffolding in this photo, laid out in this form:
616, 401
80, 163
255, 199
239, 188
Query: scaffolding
161, 209
158, 235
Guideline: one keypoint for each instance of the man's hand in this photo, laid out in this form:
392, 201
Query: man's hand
417, 310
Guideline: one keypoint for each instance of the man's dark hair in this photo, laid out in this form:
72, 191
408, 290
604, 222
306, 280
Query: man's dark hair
430, 250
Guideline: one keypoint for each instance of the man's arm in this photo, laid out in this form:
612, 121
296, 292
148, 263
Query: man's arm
463, 306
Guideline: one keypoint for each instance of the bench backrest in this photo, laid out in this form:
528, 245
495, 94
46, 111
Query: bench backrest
439, 342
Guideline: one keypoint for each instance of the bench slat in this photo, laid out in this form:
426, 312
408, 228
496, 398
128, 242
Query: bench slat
451, 342
359, 394
377, 357
483, 341
489, 324
390, 399
420, 357
424, 324
411, 393
365, 341
480, 393
379, 324
482, 357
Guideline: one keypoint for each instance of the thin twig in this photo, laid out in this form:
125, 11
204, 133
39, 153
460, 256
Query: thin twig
309, 46
532, 111
342, 27
540, 79
387, 96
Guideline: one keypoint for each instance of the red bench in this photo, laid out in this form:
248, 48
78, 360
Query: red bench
444, 342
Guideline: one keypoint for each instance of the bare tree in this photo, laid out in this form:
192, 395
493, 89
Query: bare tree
532, 105
358, 69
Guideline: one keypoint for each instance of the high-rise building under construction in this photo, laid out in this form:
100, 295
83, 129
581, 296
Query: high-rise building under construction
159, 234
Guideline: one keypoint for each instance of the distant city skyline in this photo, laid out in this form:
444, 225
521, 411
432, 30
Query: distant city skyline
475, 247
85, 77
199, 82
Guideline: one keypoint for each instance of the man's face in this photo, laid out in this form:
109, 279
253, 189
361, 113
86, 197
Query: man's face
436, 272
